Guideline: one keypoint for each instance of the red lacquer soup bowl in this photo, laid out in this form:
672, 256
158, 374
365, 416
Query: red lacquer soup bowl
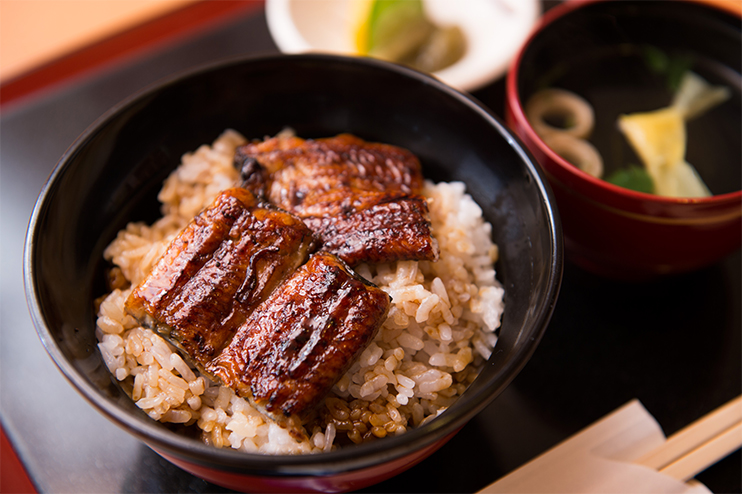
623, 57
111, 175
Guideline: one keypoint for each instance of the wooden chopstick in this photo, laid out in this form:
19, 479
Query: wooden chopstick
699, 445
707, 454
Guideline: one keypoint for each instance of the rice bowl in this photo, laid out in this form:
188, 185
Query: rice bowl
111, 175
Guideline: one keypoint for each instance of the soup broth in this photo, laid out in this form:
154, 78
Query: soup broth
627, 78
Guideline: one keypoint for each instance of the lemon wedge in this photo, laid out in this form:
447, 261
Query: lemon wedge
659, 137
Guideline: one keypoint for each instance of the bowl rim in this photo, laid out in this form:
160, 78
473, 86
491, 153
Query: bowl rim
595, 187
345, 459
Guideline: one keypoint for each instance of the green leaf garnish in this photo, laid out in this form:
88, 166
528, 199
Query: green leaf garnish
634, 178
676, 70
655, 59
672, 67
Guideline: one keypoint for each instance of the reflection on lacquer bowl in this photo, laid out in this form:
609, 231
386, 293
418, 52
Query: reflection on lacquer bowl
111, 175
630, 58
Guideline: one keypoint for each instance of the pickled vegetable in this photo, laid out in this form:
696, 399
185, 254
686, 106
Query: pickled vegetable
400, 31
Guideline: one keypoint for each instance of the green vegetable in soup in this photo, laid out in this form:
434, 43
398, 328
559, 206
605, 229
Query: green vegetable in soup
634, 177
672, 67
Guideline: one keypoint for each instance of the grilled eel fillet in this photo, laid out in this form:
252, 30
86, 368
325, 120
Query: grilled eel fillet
217, 270
363, 200
233, 292
296, 345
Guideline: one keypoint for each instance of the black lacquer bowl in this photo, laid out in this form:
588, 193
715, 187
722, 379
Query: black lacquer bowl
112, 173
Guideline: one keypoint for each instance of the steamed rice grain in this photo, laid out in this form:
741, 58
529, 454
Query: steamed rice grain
440, 329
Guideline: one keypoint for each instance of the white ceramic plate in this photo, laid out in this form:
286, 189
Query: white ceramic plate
494, 29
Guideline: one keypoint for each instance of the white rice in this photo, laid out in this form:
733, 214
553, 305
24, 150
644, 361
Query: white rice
441, 327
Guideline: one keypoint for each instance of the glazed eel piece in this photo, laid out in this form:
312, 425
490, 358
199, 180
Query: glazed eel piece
217, 270
362, 199
302, 339
235, 293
